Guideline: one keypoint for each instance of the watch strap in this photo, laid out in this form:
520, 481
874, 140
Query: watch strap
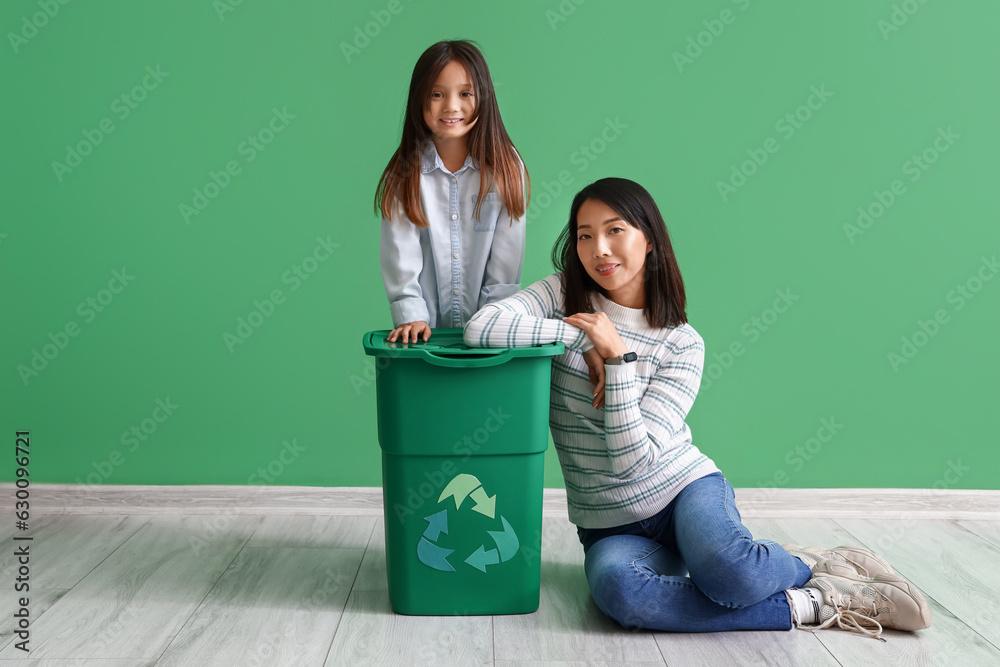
621, 359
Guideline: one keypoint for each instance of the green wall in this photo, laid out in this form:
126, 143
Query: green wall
802, 306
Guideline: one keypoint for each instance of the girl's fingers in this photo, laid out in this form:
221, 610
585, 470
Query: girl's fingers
410, 333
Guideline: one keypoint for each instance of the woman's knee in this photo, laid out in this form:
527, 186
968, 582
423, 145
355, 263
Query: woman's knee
613, 579
733, 577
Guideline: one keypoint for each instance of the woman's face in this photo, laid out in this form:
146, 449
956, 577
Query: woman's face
613, 252
452, 104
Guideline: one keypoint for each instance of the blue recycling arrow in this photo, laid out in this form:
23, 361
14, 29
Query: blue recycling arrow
434, 556
506, 541
481, 558
436, 524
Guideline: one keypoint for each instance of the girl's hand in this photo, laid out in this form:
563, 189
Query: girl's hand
601, 331
410, 330
595, 364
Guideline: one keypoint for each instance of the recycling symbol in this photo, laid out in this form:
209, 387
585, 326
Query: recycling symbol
464, 486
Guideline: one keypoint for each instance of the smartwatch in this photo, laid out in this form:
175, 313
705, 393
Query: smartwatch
623, 359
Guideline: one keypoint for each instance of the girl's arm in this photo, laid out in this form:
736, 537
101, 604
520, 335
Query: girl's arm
402, 260
525, 319
639, 426
503, 268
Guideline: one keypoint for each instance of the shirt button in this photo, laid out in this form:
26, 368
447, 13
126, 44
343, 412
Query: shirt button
457, 292
454, 180
456, 255
454, 216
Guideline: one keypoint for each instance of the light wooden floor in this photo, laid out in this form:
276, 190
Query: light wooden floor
238, 589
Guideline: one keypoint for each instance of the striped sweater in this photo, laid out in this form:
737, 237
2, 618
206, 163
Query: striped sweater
626, 462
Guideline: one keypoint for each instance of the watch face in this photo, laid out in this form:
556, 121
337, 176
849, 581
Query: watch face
630, 356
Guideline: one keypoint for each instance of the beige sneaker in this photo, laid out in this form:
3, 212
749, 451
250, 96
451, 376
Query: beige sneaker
864, 562
864, 605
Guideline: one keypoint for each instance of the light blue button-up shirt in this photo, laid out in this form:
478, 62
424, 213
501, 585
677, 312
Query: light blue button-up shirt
446, 272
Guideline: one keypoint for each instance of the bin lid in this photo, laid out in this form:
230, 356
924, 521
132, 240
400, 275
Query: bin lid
447, 347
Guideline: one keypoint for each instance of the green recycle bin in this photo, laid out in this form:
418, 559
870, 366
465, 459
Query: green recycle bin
463, 433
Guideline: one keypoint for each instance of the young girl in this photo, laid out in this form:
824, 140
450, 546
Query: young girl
452, 198
648, 505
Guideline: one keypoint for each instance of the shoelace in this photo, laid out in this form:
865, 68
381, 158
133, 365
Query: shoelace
851, 619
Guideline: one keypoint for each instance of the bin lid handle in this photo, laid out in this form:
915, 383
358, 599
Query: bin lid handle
465, 361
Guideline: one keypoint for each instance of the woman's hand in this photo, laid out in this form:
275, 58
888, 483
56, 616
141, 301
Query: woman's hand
601, 331
410, 330
595, 364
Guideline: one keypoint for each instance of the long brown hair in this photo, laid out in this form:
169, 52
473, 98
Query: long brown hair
489, 145
664, 288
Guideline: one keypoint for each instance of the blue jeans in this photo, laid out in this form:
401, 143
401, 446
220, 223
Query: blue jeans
637, 571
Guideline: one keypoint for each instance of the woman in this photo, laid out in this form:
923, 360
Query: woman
648, 505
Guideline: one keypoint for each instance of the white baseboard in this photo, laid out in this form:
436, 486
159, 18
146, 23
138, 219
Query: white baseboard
367, 501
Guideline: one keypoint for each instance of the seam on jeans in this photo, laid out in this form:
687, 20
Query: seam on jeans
643, 557
729, 509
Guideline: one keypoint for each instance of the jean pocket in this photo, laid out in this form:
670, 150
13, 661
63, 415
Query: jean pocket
489, 212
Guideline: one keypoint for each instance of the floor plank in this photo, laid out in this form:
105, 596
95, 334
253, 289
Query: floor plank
370, 633
372, 574
563, 663
948, 563
327, 532
76, 662
273, 606
775, 648
947, 641
63, 550
143, 592
987, 530
117, 591
568, 626
803, 532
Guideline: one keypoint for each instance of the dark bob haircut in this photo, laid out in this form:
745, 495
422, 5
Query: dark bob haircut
664, 288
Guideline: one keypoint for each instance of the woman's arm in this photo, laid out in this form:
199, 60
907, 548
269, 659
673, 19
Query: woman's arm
639, 426
402, 260
525, 319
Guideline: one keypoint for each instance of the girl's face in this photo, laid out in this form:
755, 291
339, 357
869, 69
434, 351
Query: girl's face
613, 252
451, 105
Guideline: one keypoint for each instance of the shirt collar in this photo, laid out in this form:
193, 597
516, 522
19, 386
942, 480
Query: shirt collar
431, 160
